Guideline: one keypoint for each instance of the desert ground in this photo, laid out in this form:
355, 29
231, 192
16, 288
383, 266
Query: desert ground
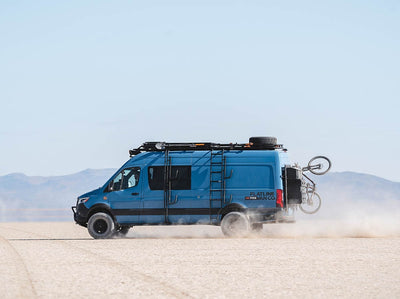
60, 260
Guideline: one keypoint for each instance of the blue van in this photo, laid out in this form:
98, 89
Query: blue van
236, 186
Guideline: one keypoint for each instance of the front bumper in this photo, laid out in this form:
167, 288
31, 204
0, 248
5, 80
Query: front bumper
80, 214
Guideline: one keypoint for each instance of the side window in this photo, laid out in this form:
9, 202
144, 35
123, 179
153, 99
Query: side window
115, 184
181, 177
127, 178
156, 177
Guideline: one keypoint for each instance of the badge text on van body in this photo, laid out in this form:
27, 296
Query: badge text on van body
261, 196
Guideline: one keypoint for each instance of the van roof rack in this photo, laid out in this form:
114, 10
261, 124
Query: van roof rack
200, 146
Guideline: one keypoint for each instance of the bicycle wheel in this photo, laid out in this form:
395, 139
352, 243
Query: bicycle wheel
319, 165
312, 204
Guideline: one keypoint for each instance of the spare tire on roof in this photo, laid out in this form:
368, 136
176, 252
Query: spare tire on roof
268, 142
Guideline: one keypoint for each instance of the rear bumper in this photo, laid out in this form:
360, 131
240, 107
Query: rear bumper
80, 214
263, 214
286, 216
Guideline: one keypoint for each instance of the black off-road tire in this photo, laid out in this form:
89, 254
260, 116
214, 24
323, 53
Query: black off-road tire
101, 226
235, 224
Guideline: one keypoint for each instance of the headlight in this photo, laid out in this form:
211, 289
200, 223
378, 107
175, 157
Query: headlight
83, 200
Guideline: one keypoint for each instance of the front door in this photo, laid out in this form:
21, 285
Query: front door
125, 195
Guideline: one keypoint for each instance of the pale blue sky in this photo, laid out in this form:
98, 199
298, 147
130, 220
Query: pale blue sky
82, 82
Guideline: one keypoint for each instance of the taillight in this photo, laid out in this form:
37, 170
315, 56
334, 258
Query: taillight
279, 201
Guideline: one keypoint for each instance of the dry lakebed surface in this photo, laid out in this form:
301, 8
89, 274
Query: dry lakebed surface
61, 260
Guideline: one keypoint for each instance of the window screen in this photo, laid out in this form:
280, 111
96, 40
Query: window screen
180, 177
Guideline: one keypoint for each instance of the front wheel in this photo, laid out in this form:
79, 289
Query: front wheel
312, 204
101, 226
235, 224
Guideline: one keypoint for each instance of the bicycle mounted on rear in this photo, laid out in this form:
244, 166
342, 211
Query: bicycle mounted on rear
300, 189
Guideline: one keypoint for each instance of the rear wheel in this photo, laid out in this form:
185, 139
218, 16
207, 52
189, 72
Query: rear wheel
101, 226
235, 224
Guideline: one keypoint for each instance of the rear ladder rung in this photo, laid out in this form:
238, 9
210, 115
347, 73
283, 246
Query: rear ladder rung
217, 177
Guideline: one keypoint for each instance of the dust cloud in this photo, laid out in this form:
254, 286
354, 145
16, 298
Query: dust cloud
343, 218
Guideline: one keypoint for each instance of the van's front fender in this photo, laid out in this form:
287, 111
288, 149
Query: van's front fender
99, 207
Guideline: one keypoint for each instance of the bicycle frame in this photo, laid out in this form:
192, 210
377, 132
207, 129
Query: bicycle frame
313, 167
308, 185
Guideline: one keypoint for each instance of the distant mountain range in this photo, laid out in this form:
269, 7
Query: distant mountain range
35, 198
357, 197
357, 186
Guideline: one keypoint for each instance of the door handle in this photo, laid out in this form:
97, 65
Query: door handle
135, 193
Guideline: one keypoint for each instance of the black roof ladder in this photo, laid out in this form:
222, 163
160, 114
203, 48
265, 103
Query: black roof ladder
217, 183
167, 185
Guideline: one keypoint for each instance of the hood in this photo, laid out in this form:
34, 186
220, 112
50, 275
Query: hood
93, 192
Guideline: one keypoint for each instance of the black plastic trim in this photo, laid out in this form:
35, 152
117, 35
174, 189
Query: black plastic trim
161, 211
80, 214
